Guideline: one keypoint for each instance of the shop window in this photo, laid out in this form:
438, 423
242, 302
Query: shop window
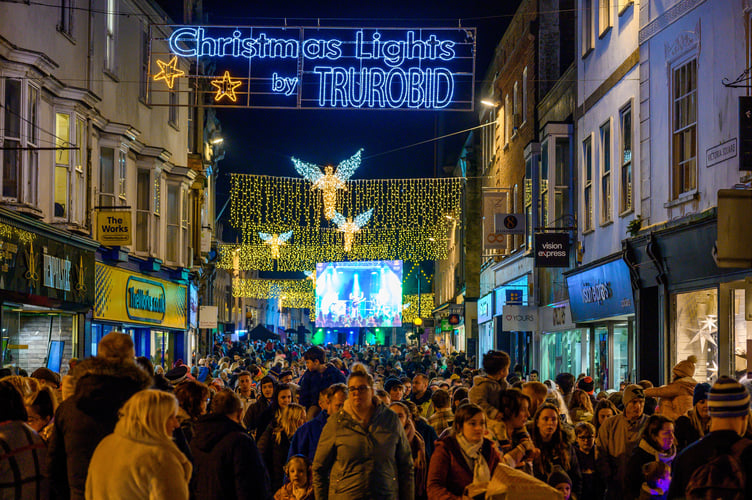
696, 330
562, 352
684, 129
742, 332
29, 337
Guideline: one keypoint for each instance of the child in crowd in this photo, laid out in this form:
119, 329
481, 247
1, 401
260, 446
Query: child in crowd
657, 480
592, 485
300, 487
560, 480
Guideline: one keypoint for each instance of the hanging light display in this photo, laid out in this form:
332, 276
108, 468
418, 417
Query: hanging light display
275, 241
330, 181
349, 226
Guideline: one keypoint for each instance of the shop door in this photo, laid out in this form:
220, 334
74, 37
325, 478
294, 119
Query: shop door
741, 332
621, 363
161, 354
600, 358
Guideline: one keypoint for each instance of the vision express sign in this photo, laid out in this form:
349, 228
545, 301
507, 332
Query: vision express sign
551, 250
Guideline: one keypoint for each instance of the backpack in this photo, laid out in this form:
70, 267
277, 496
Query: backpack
722, 478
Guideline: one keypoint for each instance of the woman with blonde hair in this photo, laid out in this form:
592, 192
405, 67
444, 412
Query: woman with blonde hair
274, 444
139, 460
580, 407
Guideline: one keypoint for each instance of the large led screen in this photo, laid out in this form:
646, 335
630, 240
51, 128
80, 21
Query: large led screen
359, 294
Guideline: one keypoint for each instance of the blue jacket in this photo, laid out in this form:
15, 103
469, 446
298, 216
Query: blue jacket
306, 438
313, 383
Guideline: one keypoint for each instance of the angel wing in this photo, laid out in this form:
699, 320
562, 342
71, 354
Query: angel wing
339, 219
348, 167
265, 236
308, 171
362, 219
285, 236
308, 273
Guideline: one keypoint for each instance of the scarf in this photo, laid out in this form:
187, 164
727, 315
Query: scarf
660, 456
475, 459
696, 422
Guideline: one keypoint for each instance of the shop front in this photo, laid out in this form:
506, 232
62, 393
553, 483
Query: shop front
153, 311
485, 324
46, 289
601, 302
514, 331
562, 347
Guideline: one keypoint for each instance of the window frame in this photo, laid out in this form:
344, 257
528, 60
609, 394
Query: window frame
110, 37
677, 191
586, 28
173, 218
587, 184
626, 198
65, 21
604, 17
606, 164
524, 97
63, 164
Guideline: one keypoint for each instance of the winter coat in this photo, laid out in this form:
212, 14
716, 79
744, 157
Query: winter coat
485, 393
253, 415
227, 463
675, 398
354, 462
23, 462
101, 387
593, 485
128, 468
644, 453
306, 438
312, 383
449, 473
285, 493
617, 437
274, 455
689, 428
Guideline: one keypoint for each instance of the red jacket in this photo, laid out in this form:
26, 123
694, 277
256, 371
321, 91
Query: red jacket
449, 473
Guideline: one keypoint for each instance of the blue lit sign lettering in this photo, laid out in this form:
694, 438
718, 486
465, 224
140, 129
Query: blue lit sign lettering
369, 68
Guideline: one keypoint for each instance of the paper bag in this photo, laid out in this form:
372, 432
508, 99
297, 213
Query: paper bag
511, 484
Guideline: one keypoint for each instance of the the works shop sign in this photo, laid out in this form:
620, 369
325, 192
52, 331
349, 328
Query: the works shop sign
551, 250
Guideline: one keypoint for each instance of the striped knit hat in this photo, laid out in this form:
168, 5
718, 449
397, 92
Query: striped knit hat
728, 399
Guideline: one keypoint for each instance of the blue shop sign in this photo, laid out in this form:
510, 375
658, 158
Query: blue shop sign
601, 292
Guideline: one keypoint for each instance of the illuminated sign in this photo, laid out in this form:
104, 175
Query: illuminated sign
56, 272
325, 67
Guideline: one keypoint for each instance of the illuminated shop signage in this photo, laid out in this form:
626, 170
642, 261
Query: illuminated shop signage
601, 292
145, 299
318, 67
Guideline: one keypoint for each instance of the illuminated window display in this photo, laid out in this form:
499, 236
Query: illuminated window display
696, 330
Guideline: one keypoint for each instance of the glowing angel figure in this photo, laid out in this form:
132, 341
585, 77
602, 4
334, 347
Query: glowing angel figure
275, 241
350, 226
329, 181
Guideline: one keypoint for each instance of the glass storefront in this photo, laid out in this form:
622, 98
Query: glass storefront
564, 352
696, 331
741, 328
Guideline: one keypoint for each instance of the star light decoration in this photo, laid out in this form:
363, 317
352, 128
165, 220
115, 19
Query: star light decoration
226, 87
275, 241
169, 71
330, 181
708, 327
349, 226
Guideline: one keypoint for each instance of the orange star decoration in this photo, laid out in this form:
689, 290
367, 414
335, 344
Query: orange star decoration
226, 87
169, 71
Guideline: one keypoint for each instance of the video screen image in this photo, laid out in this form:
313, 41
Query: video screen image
359, 294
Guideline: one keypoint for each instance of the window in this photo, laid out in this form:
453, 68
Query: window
623, 4
123, 171
543, 179
587, 26
157, 208
625, 127
65, 25
587, 160
606, 172
529, 201
524, 95
143, 83
684, 129
508, 126
516, 112
107, 177
173, 222
695, 318
143, 182
32, 141
172, 118
12, 139
79, 195
185, 227
110, 34
604, 16
62, 163
561, 189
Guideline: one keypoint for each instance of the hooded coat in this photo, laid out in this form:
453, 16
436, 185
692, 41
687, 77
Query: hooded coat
227, 464
676, 397
485, 393
100, 388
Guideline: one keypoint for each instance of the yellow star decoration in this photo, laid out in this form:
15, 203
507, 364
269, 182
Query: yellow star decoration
226, 87
169, 71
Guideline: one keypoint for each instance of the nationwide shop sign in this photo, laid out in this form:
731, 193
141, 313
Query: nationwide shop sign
519, 319
551, 250
114, 227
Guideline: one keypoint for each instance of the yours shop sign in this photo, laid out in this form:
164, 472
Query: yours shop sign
519, 319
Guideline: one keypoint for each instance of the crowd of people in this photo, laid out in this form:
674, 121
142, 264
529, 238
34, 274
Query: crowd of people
296, 422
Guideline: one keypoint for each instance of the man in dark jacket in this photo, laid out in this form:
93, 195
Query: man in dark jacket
306, 438
318, 376
227, 464
101, 386
253, 414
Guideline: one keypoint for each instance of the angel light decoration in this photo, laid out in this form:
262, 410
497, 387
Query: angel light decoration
350, 226
329, 181
275, 241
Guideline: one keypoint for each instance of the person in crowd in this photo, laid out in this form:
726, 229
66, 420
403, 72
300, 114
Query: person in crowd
486, 389
426, 431
651, 403
534, 376
298, 470
383, 396
245, 390
676, 397
193, 398
100, 386
274, 444
282, 398
555, 398
565, 386
417, 447
728, 404
696, 422
286, 377
23, 455
306, 438
587, 384
603, 410
459, 396
580, 407
555, 445
139, 459
227, 462
363, 451
592, 484
318, 376
657, 476
395, 389
256, 412
657, 444
537, 392
617, 437
515, 443
40, 408
421, 395
560, 481
442, 417
463, 457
